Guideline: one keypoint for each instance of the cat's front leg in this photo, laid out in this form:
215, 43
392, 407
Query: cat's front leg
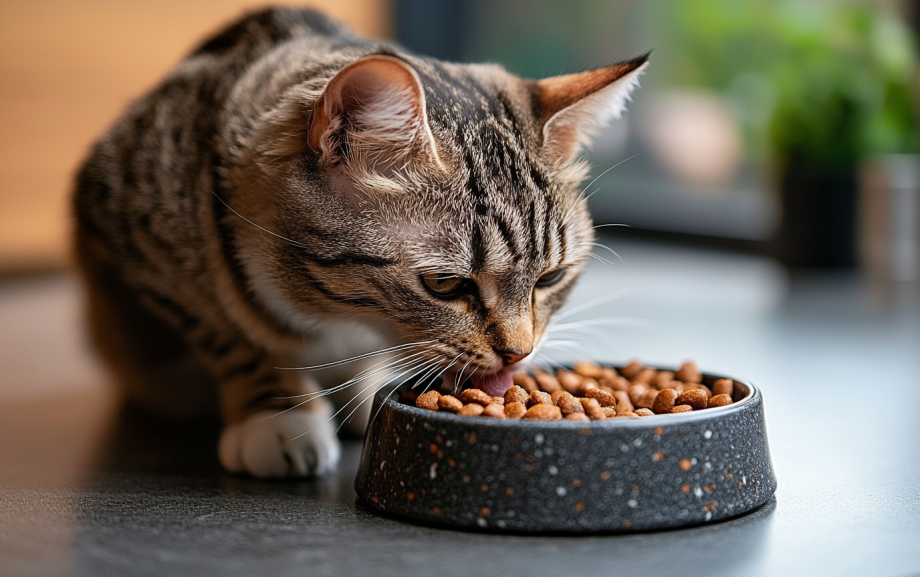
276, 425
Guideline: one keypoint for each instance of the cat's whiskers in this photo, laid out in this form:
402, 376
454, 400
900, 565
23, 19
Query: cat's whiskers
432, 381
583, 198
262, 228
605, 247
592, 303
601, 259
434, 362
359, 357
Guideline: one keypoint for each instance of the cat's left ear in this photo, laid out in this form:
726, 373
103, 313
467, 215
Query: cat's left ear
375, 105
572, 108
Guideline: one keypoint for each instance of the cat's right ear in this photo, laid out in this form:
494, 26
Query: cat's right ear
375, 108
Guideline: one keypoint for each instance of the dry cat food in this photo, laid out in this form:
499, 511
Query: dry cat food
588, 392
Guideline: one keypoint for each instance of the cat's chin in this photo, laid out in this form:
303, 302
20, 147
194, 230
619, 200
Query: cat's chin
494, 384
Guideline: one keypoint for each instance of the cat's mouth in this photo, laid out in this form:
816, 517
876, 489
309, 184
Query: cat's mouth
492, 384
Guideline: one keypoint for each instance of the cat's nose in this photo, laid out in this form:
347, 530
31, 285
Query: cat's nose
509, 357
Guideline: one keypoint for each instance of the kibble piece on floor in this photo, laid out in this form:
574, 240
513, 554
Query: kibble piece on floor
539, 398
548, 382
543, 413
475, 396
627, 414
593, 409
589, 370
682, 409
693, 397
664, 402
471, 410
516, 394
723, 387
495, 411
428, 401
688, 373
569, 404
605, 399
720, 401
515, 410
632, 369
648, 399
662, 379
645, 413
449, 403
525, 381
577, 417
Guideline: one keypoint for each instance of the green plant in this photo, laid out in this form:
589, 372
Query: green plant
816, 80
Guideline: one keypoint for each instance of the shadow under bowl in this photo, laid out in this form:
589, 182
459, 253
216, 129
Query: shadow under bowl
616, 475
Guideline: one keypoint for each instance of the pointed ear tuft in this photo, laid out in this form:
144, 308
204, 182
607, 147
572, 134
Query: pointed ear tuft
373, 106
572, 107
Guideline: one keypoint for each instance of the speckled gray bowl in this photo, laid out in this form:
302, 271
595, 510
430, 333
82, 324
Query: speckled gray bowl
617, 475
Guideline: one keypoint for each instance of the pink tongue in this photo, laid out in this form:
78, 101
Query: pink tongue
494, 385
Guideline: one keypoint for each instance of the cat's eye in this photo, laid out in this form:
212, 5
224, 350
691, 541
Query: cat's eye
550, 278
444, 285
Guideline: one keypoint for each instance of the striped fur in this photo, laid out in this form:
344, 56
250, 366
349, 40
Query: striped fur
217, 245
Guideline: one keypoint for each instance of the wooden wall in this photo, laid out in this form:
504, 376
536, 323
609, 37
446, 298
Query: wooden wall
67, 68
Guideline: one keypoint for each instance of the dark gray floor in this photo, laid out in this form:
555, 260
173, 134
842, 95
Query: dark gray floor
88, 489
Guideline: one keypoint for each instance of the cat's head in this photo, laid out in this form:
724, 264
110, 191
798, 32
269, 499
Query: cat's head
440, 200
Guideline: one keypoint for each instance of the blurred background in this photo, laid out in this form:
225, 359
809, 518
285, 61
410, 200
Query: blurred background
786, 128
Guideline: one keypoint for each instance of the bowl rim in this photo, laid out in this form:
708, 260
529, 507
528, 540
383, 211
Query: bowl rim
753, 398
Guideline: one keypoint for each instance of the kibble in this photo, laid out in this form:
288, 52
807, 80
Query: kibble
517, 394
543, 412
688, 373
723, 387
570, 381
495, 411
588, 392
588, 370
719, 401
664, 402
693, 397
429, 400
539, 398
449, 403
632, 369
569, 404
526, 382
604, 398
475, 396
515, 410
471, 410
593, 409
547, 382
648, 399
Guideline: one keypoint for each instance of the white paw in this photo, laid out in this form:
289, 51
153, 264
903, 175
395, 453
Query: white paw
276, 445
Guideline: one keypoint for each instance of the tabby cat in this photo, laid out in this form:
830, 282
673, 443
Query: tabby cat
293, 194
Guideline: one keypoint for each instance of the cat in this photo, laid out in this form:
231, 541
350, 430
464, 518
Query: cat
294, 194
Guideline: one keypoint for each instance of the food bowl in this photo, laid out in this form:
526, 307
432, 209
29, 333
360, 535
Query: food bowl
523, 476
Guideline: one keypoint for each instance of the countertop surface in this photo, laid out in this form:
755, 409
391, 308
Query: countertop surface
90, 488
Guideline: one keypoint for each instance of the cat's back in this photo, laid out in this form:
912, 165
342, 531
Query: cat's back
147, 181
